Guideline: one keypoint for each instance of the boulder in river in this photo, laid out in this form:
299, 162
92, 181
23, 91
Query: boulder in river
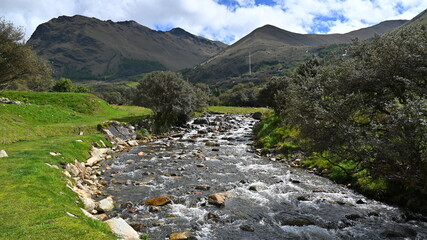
160, 201
200, 121
122, 229
106, 204
218, 199
180, 236
257, 115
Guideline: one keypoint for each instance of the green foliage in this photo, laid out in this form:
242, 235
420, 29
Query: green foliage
367, 110
243, 95
272, 133
236, 110
17, 60
63, 85
66, 85
172, 99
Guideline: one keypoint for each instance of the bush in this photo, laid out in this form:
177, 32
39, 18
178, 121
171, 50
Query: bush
172, 99
369, 108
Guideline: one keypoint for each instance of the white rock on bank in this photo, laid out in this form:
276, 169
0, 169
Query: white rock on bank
106, 204
89, 204
97, 154
3, 154
122, 229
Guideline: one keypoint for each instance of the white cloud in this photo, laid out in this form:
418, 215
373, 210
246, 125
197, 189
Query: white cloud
211, 19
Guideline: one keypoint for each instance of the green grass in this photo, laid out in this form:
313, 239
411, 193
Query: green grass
236, 110
273, 134
54, 114
34, 198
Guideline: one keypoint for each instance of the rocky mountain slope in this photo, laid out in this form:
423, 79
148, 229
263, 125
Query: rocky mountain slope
272, 46
88, 48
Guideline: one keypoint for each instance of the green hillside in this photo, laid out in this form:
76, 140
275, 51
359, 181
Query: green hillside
53, 114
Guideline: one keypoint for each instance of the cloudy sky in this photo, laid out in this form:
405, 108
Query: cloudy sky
223, 20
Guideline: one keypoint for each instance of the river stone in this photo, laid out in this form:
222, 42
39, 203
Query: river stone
73, 170
87, 214
89, 204
160, 201
247, 228
200, 121
106, 204
257, 115
179, 236
217, 199
122, 229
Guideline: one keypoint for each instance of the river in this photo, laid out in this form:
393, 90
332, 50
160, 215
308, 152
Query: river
265, 199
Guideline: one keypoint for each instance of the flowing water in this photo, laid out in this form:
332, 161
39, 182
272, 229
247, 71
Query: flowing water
265, 199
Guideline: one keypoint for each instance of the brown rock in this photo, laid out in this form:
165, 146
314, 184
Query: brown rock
160, 201
142, 154
203, 187
179, 236
217, 199
101, 217
137, 226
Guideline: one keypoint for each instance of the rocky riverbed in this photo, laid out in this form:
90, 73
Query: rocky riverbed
207, 182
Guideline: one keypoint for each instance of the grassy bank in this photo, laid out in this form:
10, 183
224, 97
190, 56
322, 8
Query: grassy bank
55, 114
34, 198
236, 110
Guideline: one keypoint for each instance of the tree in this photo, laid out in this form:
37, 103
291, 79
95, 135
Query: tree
63, 85
172, 99
17, 60
369, 108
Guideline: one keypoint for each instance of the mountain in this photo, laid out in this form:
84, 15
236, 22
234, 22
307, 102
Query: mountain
88, 48
273, 48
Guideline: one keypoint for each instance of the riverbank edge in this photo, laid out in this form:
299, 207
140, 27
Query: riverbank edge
291, 154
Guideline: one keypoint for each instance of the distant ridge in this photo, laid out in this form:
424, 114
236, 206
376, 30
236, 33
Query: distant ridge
271, 45
86, 48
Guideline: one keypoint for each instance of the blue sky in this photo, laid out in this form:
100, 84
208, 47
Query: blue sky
222, 20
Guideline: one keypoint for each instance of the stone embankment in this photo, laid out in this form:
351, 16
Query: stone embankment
83, 177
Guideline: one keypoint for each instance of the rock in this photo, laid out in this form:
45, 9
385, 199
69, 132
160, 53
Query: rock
4, 100
87, 214
256, 188
200, 121
81, 168
73, 170
122, 229
360, 201
217, 199
106, 204
179, 236
89, 204
215, 149
133, 143
203, 187
130, 161
126, 205
55, 153
160, 201
101, 217
201, 165
142, 154
257, 115
303, 198
97, 154
154, 209
138, 226
51, 166
247, 228
133, 210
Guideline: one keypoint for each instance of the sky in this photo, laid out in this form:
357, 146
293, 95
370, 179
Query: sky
221, 20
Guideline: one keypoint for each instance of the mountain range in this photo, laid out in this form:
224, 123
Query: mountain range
88, 48
83, 48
